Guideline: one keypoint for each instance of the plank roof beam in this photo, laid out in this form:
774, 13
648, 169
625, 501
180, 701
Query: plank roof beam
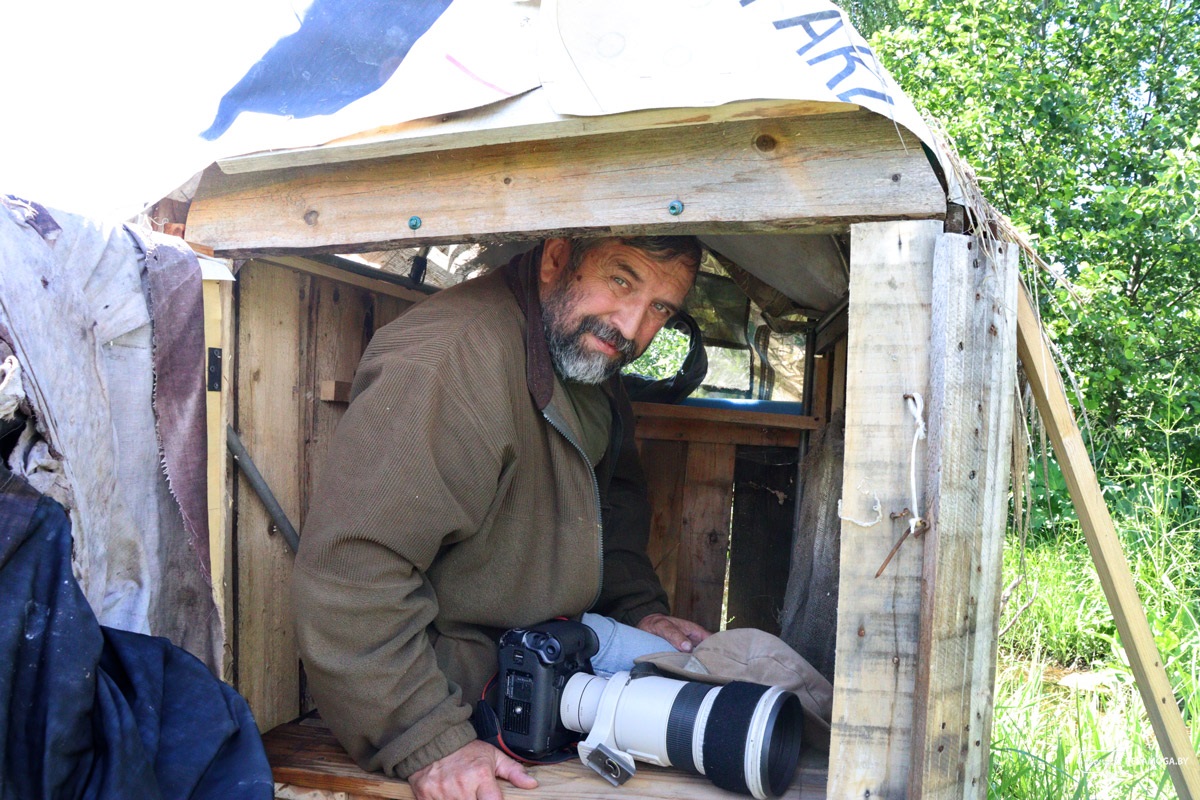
812, 173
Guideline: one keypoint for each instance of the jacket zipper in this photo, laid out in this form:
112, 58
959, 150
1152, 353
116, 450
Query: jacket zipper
595, 496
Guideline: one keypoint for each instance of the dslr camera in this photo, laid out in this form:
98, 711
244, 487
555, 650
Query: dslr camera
745, 737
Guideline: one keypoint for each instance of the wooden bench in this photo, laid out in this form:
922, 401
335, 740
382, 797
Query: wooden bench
309, 764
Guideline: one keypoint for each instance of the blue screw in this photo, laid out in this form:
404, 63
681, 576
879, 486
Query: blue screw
675, 208
414, 222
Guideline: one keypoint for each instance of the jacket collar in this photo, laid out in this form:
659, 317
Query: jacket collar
521, 275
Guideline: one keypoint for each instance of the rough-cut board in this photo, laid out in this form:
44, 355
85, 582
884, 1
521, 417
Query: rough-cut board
888, 357
970, 407
1113, 569
739, 176
321, 270
271, 324
764, 499
664, 463
704, 534
309, 764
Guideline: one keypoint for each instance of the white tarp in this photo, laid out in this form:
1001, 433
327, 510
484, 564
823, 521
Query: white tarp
105, 113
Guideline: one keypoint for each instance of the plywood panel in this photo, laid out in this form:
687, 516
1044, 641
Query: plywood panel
272, 321
704, 541
888, 357
820, 173
970, 405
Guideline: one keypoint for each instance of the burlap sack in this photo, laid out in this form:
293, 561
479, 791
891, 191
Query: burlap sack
748, 654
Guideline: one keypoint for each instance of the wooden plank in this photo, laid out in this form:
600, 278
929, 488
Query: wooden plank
523, 119
664, 463
764, 499
218, 333
878, 618
704, 539
387, 309
320, 270
683, 430
304, 757
1113, 569
731, 416
272, 318
747, 176
822, 387
970, 409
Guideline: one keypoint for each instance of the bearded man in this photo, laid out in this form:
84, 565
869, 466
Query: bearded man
484, 478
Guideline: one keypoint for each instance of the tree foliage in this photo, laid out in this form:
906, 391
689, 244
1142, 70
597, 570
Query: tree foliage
1082, 119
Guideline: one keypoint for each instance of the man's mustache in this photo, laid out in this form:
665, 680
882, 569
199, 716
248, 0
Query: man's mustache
609, 335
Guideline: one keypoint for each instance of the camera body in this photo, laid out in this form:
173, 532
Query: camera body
535, 665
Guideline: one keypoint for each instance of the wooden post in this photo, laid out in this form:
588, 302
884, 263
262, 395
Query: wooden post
218, 333
888, 357
1113, 569
970, 410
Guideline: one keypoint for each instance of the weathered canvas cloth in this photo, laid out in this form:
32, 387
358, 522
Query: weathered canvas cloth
73, 308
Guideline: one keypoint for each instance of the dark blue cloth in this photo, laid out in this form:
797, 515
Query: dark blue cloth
92, 712
344, 50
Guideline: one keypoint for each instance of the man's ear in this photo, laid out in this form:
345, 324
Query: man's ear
556, 253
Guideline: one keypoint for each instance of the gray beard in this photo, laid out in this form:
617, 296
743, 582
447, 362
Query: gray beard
572, 360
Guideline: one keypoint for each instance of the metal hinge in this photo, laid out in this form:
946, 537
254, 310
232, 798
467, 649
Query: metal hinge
214, 369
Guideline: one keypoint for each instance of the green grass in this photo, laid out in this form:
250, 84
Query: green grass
1069, 722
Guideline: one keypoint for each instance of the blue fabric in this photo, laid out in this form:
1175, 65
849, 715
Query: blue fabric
92, 712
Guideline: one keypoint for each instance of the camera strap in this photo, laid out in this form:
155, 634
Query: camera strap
487, 728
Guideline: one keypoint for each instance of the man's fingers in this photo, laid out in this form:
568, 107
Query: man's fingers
514, 773
489, 790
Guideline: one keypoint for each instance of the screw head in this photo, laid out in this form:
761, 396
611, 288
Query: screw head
675, 208
414, 222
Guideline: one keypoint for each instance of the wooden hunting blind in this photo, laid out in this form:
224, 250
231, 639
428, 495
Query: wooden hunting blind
916, 347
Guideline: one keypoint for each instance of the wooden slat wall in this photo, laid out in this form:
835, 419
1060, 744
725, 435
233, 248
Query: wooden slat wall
663, 462
888, 356
297, 330
973, 373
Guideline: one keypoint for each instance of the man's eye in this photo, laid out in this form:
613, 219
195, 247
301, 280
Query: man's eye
620, 281
661, 309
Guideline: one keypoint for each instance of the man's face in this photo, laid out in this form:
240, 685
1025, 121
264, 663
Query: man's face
603, 315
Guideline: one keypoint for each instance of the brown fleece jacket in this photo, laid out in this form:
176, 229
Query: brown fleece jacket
453, 506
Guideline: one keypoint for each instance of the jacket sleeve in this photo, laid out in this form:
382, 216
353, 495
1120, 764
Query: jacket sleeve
408, 473
631, 587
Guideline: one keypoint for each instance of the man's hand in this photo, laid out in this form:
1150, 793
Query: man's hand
681, 633
469, 773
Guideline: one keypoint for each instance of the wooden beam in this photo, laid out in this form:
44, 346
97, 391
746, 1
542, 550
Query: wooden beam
727, 416
704, 535
320, 270
878, 618
818, 172
683, 430
973, 368
1101, 535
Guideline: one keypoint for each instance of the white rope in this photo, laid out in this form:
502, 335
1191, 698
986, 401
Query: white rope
916, 407
876, 506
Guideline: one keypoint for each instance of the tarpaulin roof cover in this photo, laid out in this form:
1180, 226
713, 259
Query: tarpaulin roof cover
224, 78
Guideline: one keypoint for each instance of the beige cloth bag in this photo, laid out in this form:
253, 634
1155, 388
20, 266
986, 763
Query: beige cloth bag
748, 654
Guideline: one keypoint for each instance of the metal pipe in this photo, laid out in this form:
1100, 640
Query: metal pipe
259, 484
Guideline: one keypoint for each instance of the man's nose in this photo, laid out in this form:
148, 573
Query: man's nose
628, 320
